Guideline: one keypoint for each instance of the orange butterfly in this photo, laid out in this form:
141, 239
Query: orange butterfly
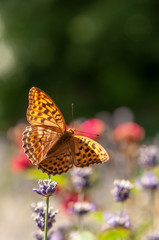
49, 145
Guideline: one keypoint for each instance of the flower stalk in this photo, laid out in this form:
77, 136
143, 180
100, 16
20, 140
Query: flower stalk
46, 217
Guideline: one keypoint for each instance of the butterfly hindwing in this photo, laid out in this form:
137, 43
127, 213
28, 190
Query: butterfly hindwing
58, 161
88, 151
37, 141
42, 110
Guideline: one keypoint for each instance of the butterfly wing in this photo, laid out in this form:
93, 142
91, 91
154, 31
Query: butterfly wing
42, 110
87, 152
37, 141
57, 161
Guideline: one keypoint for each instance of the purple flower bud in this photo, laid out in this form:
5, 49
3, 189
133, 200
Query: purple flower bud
46, 187
119, 220
81, 208
121, 190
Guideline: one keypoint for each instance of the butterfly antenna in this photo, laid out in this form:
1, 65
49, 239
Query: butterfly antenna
88, 133
72, 117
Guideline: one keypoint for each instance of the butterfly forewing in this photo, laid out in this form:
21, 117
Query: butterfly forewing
58, 161
37, 141
88, 151
43, 111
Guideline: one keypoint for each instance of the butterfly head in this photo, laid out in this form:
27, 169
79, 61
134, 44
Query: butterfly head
71, 131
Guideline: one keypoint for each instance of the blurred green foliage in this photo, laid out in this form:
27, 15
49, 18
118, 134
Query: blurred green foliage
97, 54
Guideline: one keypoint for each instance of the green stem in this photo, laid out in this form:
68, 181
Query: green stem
46, 218
80, 223
121, 208
46, 215
151, 204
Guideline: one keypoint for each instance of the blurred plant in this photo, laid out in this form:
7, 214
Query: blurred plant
43, 216
148, 156
129, 132
82, 208
128, 136
153, 236
149, 181
121, 190
81, 178
118, 220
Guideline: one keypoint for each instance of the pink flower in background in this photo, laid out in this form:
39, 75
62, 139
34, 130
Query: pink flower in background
129, 131
20, 162
91, 128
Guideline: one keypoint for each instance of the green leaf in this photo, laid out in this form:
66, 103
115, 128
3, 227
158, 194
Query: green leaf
115, 234
97, 216
34, 173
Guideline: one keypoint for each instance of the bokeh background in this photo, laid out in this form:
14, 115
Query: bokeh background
99, 55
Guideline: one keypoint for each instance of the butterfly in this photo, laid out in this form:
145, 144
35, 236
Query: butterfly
49, 145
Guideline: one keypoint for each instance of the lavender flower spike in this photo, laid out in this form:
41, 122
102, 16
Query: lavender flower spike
120, 220
39, 216
81, 208
149, 156
46, 187
121, 190
149, 181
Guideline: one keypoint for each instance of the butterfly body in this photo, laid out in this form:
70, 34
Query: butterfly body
49, 145
63, 140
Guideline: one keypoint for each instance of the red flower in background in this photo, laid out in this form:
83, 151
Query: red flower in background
70, 199
91, 128
19, 162
129, 131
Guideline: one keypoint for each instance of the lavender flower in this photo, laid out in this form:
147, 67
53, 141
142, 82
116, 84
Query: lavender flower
81, 177
120, 220
39, 217
149, 156
121, 190
81, 208
149, 181
46, 187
